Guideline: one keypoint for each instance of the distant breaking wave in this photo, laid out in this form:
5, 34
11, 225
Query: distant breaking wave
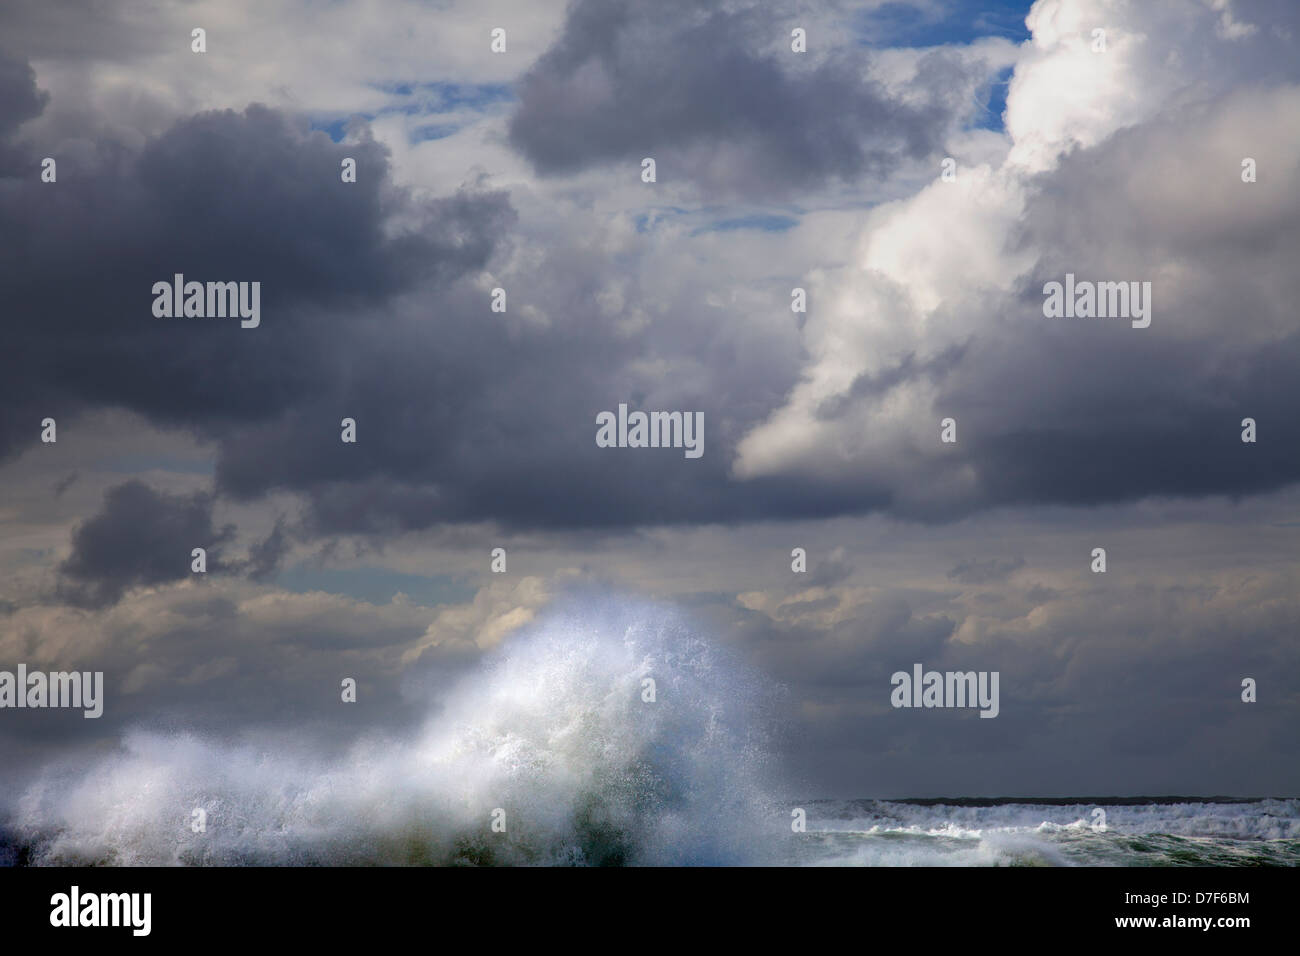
1143, 832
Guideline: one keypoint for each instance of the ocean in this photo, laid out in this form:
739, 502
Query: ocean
880, 833
1138, 831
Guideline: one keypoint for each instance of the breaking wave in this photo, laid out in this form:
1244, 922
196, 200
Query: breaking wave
552, 731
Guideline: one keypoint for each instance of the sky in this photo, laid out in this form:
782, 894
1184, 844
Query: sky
775, 170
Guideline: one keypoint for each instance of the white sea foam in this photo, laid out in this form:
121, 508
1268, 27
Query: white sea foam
554, 731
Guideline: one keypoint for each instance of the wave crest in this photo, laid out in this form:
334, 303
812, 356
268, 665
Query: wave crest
552, 730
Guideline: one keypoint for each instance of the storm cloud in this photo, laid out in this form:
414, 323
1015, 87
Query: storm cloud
141, 537
714, 93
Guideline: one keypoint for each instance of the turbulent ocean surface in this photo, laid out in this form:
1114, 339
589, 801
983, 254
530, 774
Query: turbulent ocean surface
1167, 831
556, 738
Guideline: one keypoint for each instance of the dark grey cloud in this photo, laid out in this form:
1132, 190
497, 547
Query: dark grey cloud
221, 196
228, 196
141, 537
695, 86
20, 100
1102, 412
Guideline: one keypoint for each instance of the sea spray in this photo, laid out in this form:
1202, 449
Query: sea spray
553, 730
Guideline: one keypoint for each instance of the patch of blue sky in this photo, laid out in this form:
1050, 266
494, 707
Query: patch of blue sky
990, 117
762, 222
951, 21
447, 97
648, 220
333, 128
470, 96
422, 99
